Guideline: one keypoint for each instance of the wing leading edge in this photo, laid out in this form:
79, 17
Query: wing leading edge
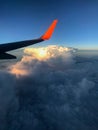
16, 45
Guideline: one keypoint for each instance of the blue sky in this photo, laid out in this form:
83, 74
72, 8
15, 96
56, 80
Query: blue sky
28, 19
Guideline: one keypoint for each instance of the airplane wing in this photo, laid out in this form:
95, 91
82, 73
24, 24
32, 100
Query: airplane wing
16, 45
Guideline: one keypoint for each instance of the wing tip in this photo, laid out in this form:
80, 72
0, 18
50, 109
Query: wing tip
47, 35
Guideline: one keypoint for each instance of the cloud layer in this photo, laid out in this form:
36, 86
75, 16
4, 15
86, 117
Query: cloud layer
48, 90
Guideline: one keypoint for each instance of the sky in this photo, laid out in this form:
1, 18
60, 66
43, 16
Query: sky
28, 19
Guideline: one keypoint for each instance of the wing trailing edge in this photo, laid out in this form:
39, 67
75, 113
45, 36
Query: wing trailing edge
7, 56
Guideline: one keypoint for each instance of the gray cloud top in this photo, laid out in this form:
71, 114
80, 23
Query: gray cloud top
54, 93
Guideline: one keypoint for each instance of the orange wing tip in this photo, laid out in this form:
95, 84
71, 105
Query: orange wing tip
47, 35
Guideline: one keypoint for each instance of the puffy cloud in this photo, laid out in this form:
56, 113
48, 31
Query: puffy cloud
48, 90
53, 57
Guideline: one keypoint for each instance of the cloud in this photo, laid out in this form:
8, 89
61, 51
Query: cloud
54, 57
48, 90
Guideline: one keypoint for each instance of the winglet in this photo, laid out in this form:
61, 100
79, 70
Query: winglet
50, 30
